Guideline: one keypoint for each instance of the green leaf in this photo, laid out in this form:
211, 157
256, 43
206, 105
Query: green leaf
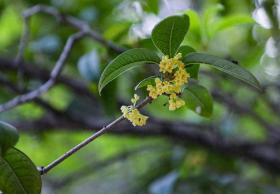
198, 99
185, 49
18, 175
195, 29
8, 136
116, 30
147, 81
223, 65
208, 19
151, 6
125, 61
193, 70
195, 24
169, 34
229, 21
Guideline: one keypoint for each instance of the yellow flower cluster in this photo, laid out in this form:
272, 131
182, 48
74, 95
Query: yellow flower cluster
132, 113
175, 76
174, 68
175, 102
168, 64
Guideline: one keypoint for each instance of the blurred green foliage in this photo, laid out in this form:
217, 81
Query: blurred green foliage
221, 27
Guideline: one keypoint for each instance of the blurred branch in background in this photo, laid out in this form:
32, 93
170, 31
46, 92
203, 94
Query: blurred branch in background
61, 120
80, 25
190, 132
24, 98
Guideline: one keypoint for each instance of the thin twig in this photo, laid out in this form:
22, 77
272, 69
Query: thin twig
84, 29
44, 170
54, 74
79, 87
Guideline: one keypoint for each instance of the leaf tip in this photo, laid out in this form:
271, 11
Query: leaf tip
100, 90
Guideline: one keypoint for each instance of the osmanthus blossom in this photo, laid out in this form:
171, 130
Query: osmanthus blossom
174, 77
132, 114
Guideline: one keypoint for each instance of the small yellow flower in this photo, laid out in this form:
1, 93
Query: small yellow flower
172, 106
181, 77
174, 68
134, 116
124, 110
135, 99
180, 103
166, 65
152, 91
175, 102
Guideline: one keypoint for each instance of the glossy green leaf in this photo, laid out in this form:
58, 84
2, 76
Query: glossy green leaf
198, 99
147, 81
193, 70
185, 49
18, 175
169, 34
125, 61
8, 136
223, 65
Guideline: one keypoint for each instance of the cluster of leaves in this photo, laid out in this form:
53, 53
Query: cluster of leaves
18, 174
167, 36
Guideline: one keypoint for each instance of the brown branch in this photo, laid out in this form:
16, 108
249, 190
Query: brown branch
264, 154
36, 72
43, 104
53, 76
158, 128
76, 148
84, 29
